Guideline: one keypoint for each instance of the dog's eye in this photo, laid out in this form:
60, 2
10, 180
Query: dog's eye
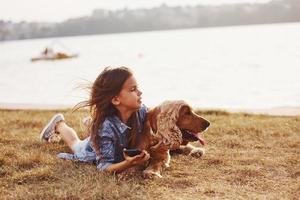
188, 112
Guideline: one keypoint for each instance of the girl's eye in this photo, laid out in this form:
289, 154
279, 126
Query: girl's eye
133, 89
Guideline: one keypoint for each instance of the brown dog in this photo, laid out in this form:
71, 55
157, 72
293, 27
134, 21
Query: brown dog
170, 126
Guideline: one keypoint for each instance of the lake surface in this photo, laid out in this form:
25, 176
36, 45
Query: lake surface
243, 67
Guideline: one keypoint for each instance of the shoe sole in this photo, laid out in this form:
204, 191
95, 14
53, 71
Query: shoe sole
46, 127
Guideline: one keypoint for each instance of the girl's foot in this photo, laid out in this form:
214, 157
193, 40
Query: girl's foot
49, 134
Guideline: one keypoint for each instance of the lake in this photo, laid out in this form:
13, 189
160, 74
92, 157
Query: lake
244, 67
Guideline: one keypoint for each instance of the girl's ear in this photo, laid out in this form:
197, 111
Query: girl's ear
115, 101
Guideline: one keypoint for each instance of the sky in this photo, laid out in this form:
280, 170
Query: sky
59, 10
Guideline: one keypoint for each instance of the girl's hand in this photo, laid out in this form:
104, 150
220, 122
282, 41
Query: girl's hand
138, 159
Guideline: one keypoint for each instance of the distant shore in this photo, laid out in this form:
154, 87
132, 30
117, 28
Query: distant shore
276, 111
17, 106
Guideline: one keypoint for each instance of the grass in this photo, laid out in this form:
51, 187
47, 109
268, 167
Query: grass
247, 157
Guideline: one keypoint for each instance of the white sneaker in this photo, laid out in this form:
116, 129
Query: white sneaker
48, 134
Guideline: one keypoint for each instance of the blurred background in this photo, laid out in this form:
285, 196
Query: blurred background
224, 54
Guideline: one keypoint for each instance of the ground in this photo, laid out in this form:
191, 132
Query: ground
247, 157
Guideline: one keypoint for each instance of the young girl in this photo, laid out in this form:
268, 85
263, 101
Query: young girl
117, 116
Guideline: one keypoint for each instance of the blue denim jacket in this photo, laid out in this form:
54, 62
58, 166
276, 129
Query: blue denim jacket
113, 139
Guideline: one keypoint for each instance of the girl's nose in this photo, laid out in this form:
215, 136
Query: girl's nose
140, 93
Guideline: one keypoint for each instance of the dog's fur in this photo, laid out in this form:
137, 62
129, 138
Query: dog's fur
163, 131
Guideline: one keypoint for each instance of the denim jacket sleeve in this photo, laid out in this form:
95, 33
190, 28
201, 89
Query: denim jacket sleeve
107, 153
107, 147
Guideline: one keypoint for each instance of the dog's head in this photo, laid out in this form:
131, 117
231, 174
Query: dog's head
191, 124
176, 123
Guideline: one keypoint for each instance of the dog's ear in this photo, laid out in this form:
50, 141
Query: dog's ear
166, 124
152, 118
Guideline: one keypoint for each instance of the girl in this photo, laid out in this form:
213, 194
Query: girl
117, 116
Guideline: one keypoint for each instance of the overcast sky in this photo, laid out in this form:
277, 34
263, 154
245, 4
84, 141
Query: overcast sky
59, 10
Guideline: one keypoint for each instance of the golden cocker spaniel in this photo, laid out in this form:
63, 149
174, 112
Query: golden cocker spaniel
170, 126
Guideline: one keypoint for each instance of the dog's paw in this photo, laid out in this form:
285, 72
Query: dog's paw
197, 152
167, 165
149, 174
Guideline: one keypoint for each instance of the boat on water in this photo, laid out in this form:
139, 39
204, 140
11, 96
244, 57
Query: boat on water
56, 56
49, 54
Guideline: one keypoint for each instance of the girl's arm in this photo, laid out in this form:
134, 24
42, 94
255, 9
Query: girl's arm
128, 162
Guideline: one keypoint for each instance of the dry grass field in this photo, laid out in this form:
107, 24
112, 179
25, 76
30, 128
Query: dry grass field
247, 157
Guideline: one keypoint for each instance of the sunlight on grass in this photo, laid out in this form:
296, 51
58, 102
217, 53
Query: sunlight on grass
247, 157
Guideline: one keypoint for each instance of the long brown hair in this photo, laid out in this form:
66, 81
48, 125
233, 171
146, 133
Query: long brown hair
107, 85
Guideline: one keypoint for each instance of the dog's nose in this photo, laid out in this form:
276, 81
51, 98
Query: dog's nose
206, 124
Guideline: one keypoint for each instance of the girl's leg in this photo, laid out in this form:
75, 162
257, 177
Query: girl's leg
57, 128
68, 135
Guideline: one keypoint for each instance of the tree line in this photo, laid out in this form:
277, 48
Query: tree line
159, 18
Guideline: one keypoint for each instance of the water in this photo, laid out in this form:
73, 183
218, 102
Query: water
229, 67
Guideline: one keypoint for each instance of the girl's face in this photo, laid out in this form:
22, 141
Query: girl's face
129, 97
